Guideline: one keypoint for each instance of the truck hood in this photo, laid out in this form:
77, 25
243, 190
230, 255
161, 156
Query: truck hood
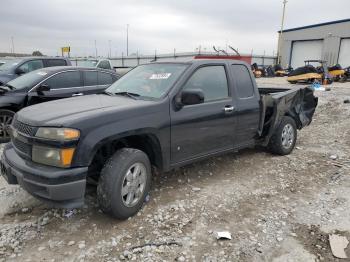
71, 110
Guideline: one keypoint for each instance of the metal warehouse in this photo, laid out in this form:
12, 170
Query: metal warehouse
327, 41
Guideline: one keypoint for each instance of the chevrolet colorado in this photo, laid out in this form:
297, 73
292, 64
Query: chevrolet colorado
164, 115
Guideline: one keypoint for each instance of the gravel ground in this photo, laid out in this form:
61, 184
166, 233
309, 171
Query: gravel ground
277, 208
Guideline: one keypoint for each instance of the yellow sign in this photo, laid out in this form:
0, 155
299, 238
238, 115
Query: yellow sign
65, 49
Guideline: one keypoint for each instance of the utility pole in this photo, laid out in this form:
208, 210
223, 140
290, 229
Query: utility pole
127, 40
110, 50
280, 34
95, 49
13, 45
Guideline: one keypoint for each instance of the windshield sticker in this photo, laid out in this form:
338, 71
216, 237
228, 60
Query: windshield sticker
160, 76
42, 73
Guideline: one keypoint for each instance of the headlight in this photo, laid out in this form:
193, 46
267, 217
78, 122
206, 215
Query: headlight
59, 157
60, 134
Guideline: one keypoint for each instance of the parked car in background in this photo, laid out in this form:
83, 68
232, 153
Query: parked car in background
20, 66
48, 84
98, 63
2, 62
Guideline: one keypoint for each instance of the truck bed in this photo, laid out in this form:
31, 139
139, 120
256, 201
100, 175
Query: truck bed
298, 103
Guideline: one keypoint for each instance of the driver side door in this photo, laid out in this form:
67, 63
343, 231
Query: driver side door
204, 129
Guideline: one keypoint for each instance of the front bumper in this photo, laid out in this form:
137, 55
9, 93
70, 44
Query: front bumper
57, 187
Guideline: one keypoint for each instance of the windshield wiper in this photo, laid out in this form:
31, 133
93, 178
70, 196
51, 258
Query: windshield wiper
132, 95
107, 93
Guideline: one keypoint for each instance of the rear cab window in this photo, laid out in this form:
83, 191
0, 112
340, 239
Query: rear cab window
243, 81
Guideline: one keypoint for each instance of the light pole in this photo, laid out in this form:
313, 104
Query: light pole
280, 34
127, 40
13, 45
110, 50
95, 49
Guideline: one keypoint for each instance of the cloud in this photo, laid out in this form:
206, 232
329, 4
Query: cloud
160, 25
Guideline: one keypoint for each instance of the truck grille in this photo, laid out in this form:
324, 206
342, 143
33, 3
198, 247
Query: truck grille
21, 146
18, 141
23, 128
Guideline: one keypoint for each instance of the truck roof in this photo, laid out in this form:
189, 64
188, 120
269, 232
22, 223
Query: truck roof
200, 61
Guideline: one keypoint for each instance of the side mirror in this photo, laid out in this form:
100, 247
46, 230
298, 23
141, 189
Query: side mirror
19, 71
190, 97
42, 88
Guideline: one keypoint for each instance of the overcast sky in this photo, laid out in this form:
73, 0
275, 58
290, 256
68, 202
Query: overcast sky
161, 25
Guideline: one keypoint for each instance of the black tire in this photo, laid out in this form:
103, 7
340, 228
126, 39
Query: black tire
277, 144
113, 178
6, 117
292, 82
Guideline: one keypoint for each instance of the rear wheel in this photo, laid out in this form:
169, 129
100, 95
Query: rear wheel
124, 183
6, 117
283, 140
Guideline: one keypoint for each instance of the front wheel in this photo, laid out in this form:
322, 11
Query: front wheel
284, 138
124, 183
6, 117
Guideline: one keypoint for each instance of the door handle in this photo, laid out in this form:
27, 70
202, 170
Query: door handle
229, 109
78, 94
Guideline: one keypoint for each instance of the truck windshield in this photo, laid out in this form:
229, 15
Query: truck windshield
27, 80
149, 81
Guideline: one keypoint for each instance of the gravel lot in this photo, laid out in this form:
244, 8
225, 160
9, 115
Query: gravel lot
277, 208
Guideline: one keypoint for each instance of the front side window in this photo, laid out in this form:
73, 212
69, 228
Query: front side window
211, 80
64, 80
150, 81
31, 66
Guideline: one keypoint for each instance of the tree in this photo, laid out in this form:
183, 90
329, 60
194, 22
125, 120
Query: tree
37, 53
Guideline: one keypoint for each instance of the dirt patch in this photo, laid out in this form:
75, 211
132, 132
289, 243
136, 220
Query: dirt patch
317, 242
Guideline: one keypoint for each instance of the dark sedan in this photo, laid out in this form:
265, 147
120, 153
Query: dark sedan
48, 84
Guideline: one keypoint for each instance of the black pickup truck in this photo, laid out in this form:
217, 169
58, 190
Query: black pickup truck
164, 115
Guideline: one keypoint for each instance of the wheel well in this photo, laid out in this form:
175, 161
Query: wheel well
13, 109
147, 143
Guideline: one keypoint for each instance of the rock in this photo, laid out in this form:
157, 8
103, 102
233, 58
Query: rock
346, 101
181, 259
196, 189
81, 245
71, 243
279, 239
41, 248
333, 157
223, 235
338, 244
